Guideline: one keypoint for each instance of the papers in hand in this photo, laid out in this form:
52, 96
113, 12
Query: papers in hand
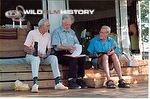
77, 52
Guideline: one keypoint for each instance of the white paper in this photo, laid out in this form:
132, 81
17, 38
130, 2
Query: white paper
78, 50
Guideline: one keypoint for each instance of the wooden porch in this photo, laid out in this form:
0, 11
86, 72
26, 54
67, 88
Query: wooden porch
94, 78
136, 91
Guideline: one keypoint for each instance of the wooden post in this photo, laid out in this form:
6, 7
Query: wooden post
55, 19
44, 7
139, 27
118, 23
122, 26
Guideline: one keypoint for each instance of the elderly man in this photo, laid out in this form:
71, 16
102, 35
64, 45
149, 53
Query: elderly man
43, 49
64, 40
105, 49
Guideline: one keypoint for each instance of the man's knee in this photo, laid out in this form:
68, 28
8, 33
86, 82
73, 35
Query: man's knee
31, 59
105, 57
114, 56
52, 58
36, 59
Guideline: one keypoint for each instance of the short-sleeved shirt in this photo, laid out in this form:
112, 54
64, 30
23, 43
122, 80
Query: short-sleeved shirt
96, 45
62, 37
44, 41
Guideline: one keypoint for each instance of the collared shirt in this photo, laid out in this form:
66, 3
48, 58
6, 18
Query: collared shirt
96, 45
62, 37
44, 41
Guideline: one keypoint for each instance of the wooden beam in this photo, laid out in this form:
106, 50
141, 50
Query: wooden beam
27, 68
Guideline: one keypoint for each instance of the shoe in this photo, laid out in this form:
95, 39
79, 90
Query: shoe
73, 85
122, 84
110, 84
35, 88
60, 86
81, 83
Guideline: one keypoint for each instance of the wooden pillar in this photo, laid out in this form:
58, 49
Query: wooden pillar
117, 10
139, 27
122, 26
55, 19
44, 7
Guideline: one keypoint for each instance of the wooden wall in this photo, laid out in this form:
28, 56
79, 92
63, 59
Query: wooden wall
13, 47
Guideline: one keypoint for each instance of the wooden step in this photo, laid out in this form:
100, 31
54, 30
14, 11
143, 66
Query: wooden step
100, 81
137, 70
94, 78
138, 62
23, 72
28, 76
42, 84
136, 74
26, 68
10, 73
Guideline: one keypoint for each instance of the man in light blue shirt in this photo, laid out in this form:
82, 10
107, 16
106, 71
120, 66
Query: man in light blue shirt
64, 40
105, 49
61, 36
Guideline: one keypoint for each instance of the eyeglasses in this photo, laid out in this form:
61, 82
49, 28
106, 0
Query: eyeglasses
103, 32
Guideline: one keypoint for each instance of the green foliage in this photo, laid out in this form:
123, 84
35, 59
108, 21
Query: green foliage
145, 19
144, 10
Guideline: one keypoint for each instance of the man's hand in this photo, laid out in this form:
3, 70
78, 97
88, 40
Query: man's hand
42, 56
99, 54
29, 50
110, 52
71, 48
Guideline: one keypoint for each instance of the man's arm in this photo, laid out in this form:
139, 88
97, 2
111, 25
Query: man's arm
48, 52
28, 49
28, 44
70, 48
56, 41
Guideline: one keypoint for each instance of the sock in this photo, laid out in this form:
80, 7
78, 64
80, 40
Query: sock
80, 78
35, 80
57, 80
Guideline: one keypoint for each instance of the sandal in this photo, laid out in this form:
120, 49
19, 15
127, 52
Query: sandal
122, 84
110, 84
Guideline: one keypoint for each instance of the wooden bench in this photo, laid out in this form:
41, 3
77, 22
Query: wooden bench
10, 73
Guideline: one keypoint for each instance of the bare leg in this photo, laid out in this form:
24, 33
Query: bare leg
106, 66
117, 66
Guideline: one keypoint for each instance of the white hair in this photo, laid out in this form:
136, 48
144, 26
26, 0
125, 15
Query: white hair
42, 22
107, 28
68, 16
